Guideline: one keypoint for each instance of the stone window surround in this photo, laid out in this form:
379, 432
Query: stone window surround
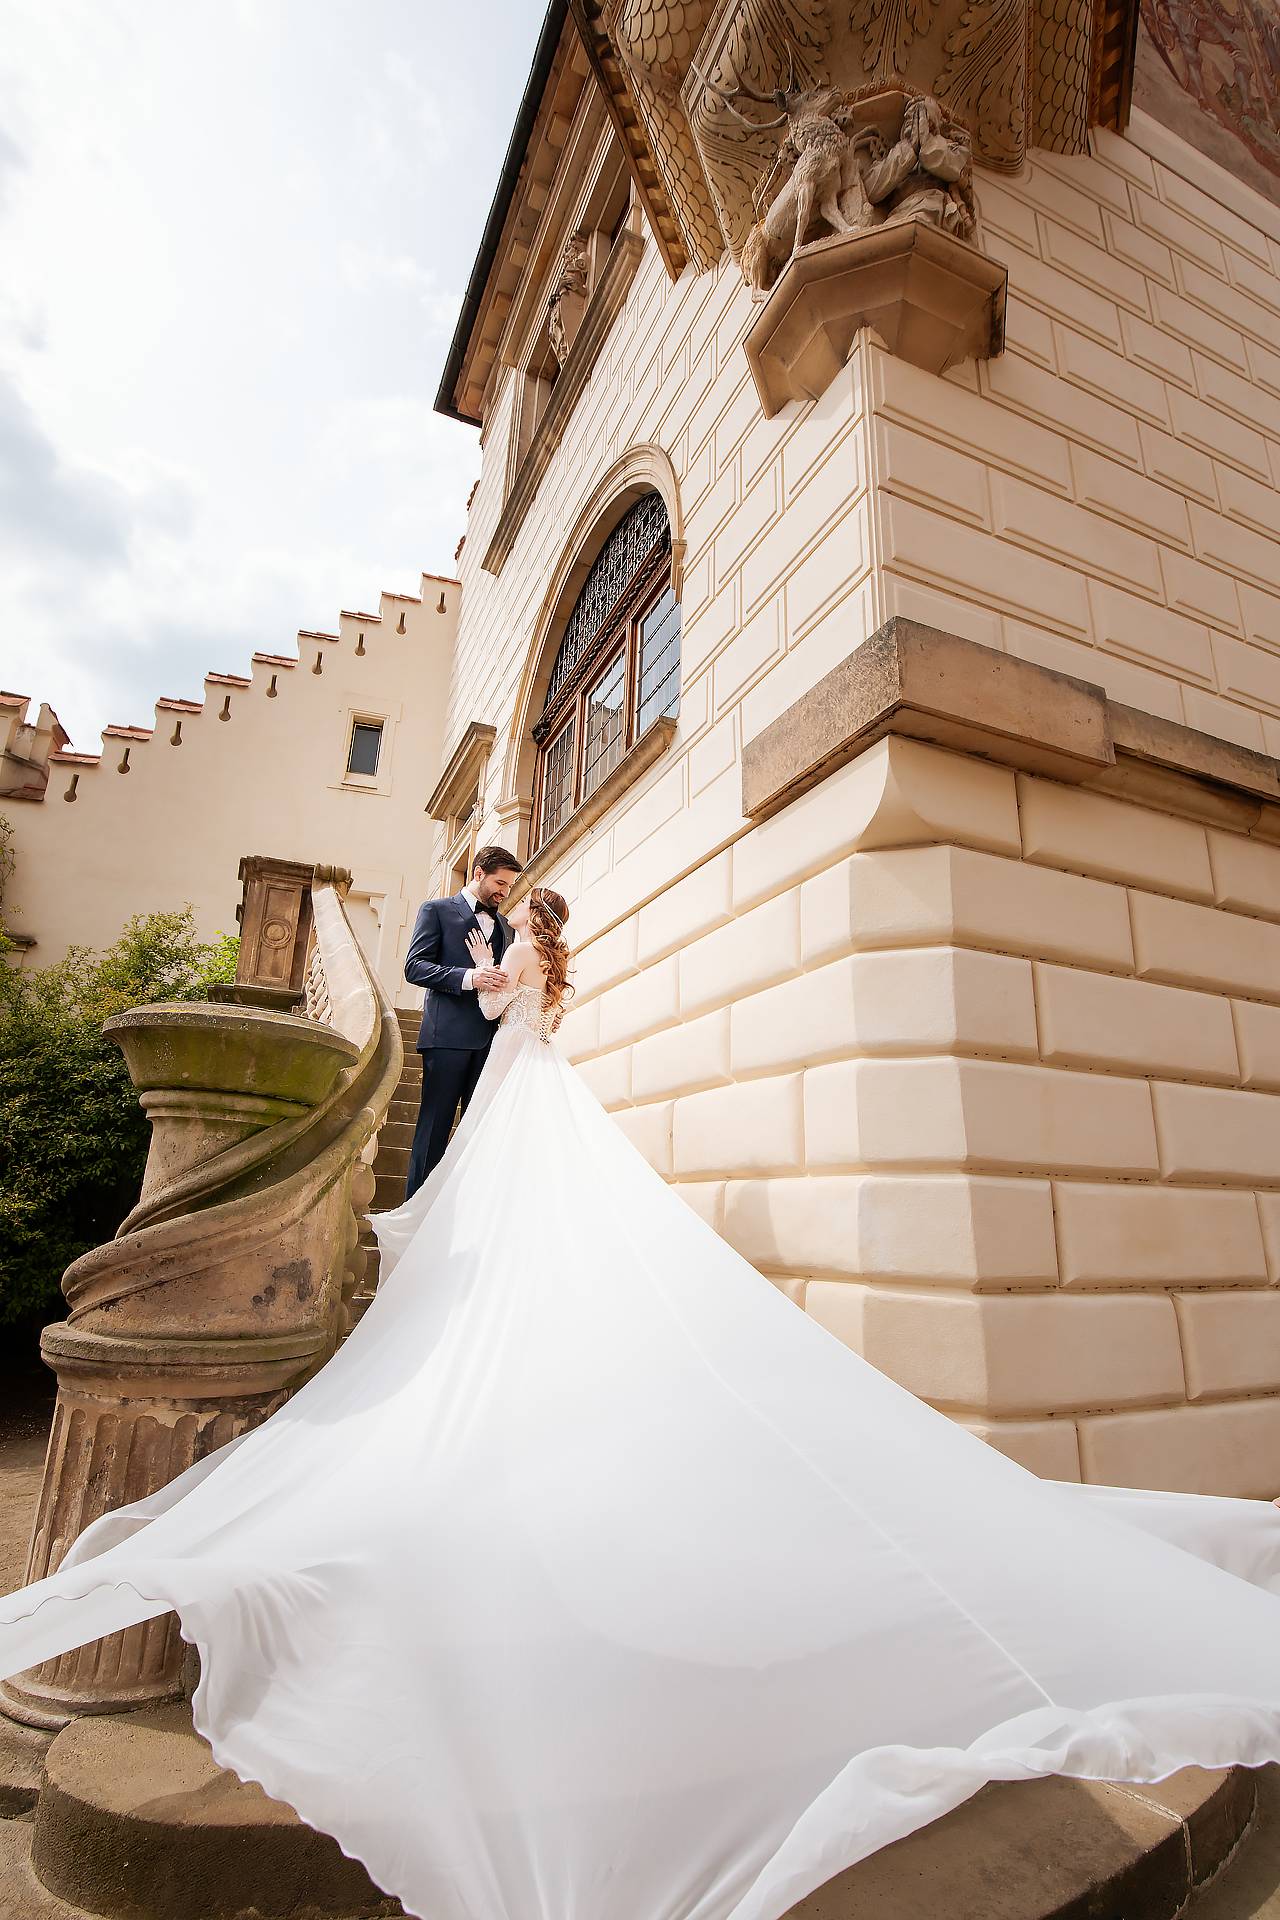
644, 468
594, 217
637, 760
463, 775
642, 595
376, 783
602, 310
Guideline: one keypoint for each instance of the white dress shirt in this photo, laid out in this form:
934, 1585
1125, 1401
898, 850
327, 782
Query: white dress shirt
485, 919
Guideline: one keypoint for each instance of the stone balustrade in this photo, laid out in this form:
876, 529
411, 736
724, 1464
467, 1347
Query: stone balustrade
229, 1283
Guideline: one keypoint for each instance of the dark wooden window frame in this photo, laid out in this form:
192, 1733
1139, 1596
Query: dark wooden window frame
619, 633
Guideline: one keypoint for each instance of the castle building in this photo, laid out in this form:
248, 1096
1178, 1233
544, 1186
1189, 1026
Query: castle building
320, 755
870, 623
869, 619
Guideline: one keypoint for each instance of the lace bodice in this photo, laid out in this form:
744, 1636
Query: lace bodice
519, 1007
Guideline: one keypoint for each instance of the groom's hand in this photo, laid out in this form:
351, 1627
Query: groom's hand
492, 979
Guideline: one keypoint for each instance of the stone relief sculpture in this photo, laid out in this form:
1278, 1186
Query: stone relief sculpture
927, 174
850, 163
568, 296
805, 183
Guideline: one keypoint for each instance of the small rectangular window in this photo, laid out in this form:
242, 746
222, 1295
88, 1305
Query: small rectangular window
366, 744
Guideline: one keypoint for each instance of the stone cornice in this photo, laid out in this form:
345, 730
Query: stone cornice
1040, 78
912, 679
556, 80
465, 764
602, 311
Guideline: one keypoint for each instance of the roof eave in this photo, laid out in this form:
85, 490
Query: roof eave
540, 72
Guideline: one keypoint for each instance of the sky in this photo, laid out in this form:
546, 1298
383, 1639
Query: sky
234, 240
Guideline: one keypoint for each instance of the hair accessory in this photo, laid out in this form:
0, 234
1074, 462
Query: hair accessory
547, 907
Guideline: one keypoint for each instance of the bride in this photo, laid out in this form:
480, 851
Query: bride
591, 1580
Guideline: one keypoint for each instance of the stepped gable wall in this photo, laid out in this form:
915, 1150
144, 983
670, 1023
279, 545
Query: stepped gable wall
164, 813
975, 1061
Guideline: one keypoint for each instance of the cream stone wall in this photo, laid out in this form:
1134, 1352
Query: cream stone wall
260, 768
983, 1070
1131, 539
1103, 497
997, 1100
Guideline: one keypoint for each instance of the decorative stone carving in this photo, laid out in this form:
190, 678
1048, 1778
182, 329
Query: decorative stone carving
568, 300
1012, 72
927, 174
805, 184
868, 219
848, 164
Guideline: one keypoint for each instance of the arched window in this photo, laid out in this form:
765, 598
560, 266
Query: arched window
617, 669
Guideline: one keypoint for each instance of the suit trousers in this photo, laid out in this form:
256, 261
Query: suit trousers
449, 1076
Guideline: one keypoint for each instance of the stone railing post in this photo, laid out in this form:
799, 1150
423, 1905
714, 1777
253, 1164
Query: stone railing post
275, 934
227, 1285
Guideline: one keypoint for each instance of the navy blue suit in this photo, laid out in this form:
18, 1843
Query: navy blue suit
454, 1037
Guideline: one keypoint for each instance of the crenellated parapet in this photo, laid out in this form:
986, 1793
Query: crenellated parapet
40, 763
26, 746
334, 744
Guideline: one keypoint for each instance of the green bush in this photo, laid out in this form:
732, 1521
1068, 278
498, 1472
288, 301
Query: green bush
73, 1138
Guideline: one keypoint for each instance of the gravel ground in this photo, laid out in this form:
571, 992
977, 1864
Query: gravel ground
26, 1408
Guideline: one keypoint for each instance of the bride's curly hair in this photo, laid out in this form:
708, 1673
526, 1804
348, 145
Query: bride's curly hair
548, 913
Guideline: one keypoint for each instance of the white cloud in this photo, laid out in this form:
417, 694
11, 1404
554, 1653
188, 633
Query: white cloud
235, 240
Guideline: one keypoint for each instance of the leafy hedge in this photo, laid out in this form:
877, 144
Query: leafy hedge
73, 1138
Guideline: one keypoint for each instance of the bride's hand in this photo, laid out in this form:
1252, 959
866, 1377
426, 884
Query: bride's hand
479, 949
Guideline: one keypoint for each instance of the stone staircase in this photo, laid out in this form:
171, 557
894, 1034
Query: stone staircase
391, 1166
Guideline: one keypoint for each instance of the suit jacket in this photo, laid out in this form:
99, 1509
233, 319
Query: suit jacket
437, 960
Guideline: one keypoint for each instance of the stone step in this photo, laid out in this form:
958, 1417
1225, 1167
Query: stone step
396, 1133
137, 1822
388, 1190
396, 1155
1053, 1849
1248, 1887
402, 1112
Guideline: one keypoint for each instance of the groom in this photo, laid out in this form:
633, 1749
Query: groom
454, 1037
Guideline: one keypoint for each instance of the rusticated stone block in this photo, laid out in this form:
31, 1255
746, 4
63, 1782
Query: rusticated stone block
910, 678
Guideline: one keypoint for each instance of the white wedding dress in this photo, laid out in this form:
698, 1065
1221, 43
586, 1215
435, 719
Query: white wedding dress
592, 1580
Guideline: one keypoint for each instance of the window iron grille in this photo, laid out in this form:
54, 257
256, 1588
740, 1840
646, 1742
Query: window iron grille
643, 531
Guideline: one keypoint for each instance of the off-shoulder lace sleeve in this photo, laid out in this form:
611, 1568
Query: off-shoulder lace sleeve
494, 1001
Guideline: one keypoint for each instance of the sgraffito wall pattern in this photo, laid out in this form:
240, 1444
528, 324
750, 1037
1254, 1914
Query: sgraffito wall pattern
1211, 71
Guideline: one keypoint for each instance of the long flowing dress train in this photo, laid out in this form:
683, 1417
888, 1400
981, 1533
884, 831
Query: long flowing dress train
591, 1580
